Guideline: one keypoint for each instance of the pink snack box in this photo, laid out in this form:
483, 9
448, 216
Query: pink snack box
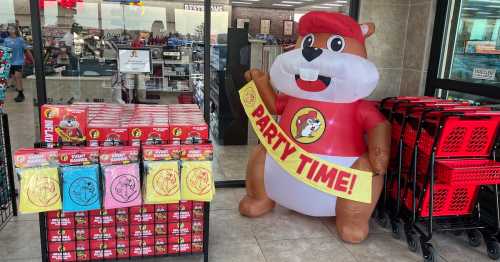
122, 186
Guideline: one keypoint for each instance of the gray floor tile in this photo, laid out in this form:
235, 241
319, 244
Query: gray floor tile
226, 198
236, 252
20, 240
453, 248
298, 250
228, 226
382, 247
283, 224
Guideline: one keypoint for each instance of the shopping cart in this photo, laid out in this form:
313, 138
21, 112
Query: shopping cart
453, 160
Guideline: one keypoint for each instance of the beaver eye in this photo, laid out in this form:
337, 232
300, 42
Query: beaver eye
308, 41
336, 43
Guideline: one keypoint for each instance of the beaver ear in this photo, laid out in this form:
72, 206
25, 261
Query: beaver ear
367, 29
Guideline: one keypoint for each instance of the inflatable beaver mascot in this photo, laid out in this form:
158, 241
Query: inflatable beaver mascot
321, 84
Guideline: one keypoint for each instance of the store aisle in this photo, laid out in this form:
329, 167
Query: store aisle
282, 235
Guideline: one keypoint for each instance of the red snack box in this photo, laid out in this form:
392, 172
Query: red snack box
180, 228
161, 217
146, 218
148, 133
54, 222
122, 249
98, 221
122, 232
63, 123
102, 233
102, 212
198, 205
142, 251
161, 152
179, 216
188, 132
161, 250
121, 219
186, 238
83, 255
106, 133
197, 152
161, 240
142, 242
34, 157
61, 246
103, 244
142, 230
82, 234
81, 220
161, 229
118, 155
198, 214
179, 248
78, 156
103, 254
61, 235
182, 205
197, 247
142, 209
63, 256
161, 208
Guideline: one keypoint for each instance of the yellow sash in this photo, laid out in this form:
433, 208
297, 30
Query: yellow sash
311, 170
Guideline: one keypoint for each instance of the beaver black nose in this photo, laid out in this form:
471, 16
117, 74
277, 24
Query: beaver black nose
310, 53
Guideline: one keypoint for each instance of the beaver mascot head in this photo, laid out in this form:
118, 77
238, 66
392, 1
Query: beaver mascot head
329, 61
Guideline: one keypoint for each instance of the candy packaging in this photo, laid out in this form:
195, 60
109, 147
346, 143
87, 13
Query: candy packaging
122, 186
162, 183
197, 181
39, 191
81, 188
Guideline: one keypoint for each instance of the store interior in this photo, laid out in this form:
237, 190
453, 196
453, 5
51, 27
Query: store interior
81, 47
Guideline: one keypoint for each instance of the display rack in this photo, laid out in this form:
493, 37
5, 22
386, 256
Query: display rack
8, 205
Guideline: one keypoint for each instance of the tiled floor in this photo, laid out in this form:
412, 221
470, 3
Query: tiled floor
282, 235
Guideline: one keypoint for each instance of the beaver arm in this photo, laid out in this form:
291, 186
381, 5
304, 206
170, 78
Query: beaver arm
379, 146
263, 84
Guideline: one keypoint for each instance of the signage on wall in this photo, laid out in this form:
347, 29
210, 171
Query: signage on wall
201, 8
134, 60
240, 22
484, 73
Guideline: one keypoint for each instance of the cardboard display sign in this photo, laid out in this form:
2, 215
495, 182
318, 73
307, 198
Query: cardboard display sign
309, 169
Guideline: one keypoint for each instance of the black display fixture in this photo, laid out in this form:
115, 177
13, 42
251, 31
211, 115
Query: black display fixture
433, 82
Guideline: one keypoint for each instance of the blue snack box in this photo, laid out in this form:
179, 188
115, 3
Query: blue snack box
81, 188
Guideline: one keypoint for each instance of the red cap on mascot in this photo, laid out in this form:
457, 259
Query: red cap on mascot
334, 23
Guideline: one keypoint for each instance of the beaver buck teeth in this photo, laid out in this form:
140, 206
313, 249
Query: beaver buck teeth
308, 74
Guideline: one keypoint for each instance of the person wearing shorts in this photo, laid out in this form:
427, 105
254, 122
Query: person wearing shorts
18, 46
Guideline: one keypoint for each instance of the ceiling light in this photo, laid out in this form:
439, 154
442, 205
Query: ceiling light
243, 3
341, 1
281, 5
292, 2
333, 4
320, 7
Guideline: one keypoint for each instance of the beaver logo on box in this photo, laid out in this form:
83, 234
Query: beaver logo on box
308, 125
69, 130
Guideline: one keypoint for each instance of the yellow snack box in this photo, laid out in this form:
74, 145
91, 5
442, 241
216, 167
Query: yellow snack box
162, 182
197, 181
40, 189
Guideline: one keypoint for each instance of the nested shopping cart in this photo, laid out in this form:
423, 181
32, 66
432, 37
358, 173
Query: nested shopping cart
452, 161
399, 113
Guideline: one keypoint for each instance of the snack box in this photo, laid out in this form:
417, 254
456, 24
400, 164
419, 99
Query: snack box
61, 235
101, 233
142, 209
145, 218
186, 238
63, 123
190, 132
142, 230
148, 133
179, 216
183, 228
182, 205
102, 220
58, 220
68, 256
106, 133
142, 251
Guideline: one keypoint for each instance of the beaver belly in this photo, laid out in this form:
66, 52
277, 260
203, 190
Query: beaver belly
293, 194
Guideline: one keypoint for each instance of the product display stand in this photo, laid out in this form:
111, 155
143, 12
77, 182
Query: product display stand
8, 204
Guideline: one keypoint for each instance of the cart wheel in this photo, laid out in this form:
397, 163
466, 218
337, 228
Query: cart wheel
428, 252
412, 241
381, 219
493, 250
396, 229
474, 237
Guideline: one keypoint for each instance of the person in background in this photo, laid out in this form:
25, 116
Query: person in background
18, 46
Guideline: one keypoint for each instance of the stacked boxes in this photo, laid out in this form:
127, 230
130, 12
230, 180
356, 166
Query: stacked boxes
142, 231
100, 124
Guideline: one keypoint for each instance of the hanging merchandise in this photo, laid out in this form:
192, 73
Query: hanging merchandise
39, 179
122, 186
80, 179
161, 182
5, 63
196, 173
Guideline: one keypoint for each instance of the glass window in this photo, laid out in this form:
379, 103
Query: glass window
472, 43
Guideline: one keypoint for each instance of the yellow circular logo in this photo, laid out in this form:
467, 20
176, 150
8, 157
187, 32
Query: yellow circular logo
50, 113
307, 126
165, 182
43, 191
94, 133
177, 132
64, 157
136, 132
198, 181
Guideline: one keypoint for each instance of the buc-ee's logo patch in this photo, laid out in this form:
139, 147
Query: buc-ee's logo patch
94, 133
136, 132
307, 126
50, 113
